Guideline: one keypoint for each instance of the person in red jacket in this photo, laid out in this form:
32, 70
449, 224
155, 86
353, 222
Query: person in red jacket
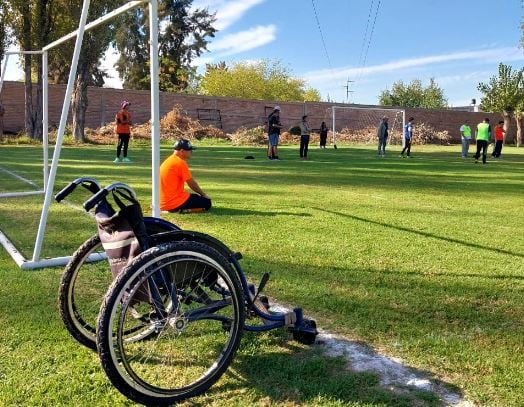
499, 139
123, 121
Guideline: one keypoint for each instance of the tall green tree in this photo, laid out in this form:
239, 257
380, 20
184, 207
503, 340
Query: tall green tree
30, 25
260, 80
504, 93
94, 45
183, 36
35, 24
414, 94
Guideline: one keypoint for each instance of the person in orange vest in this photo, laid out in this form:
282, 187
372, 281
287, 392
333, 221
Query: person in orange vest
123, 122
174, 175
499, 139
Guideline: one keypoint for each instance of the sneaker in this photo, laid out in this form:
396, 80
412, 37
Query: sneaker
116, 160
401, 156
269, 158
276, 158
126, 160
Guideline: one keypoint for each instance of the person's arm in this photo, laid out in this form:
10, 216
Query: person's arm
191, 183
126, 118
276, 123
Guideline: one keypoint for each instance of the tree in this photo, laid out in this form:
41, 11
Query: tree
95, 44
414, 95
35, 24
29, 23
259, 80
504, 93
183, 37
4, 38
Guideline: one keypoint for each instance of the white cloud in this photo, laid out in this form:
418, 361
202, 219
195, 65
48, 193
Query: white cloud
227, 11
507, 54
243, 41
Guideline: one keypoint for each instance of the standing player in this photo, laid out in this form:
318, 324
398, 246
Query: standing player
382, 134
273, 132
123, 129
483, 134
499, 139
465, 132
408, 135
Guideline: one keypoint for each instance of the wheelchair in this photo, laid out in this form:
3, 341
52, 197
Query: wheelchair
171, 320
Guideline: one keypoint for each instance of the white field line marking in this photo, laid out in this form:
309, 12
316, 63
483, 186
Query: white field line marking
14, 175
391, 371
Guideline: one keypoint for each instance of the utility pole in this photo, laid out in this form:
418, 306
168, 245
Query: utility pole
347, 90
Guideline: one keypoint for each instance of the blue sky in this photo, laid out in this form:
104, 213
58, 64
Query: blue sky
373, 43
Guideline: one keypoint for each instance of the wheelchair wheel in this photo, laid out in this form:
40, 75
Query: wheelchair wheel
83, 286
193, 300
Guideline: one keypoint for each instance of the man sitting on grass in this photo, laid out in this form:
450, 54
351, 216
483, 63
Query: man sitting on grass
174, 173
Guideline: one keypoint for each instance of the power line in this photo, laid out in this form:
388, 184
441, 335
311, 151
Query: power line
364, 55
365, 33
321, 35
371, 35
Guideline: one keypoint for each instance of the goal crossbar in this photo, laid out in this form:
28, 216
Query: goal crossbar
49, 179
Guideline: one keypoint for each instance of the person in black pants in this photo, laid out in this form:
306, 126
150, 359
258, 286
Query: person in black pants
408, 137
304, 138
483, 135
323, 135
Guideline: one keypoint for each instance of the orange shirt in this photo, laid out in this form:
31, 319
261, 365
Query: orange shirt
174, 172
123, 120
499, 133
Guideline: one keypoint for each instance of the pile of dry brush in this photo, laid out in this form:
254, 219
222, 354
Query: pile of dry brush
423, 134
173, 125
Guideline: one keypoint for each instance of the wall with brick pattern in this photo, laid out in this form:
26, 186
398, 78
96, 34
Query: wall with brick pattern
234, 113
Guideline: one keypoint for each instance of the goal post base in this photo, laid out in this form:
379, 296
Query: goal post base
26, 264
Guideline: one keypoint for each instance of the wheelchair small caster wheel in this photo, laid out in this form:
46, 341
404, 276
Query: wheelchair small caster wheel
306, 333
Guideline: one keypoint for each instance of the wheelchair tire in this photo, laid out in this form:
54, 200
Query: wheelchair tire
196, 338
83, 286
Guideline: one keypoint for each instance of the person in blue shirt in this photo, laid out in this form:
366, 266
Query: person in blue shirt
408, 136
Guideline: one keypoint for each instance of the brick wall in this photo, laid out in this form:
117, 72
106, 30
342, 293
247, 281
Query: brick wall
234, 113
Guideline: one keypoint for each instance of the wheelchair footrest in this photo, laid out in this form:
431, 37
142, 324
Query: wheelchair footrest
305, 332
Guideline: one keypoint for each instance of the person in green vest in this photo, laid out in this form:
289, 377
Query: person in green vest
483, 135
465, 132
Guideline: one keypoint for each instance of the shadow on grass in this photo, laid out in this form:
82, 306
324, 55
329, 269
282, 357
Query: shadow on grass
221, 211
425, 234
295, 375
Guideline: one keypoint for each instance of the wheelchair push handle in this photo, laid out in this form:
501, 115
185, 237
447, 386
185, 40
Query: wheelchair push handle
96, 198
90, 184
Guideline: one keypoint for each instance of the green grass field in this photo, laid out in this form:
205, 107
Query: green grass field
421, 258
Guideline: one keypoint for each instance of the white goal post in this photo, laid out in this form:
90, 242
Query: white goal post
359, 117
49, 176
